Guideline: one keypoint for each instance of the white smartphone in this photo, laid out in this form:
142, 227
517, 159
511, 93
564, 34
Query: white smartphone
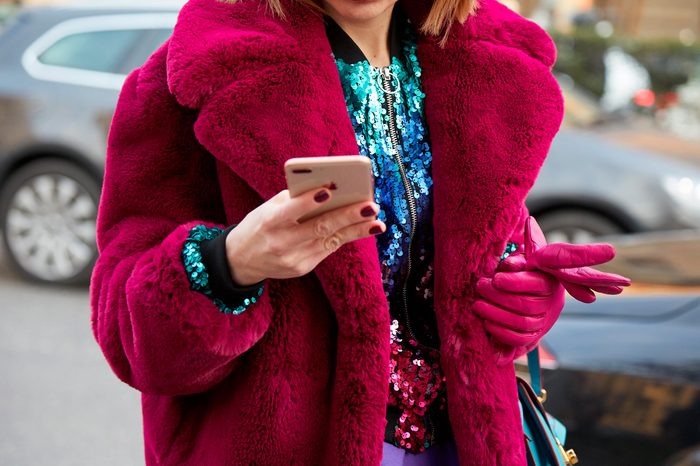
348, 177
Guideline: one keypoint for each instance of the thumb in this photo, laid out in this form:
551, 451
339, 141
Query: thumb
512, 263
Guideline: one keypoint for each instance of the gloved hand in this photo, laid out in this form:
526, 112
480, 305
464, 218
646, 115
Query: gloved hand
523, 300
518, 307
571, 264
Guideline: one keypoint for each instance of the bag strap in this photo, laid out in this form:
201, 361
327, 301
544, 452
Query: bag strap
533, 364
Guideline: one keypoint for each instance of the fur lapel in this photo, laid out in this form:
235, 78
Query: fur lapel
267, 90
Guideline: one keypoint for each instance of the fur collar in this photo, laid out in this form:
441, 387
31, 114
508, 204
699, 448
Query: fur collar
232, 32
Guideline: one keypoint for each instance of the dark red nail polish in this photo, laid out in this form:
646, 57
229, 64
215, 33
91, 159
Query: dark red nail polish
321, 196
367, 211
375, 230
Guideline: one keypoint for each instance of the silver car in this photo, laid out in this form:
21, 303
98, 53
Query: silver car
590, 187
61, 69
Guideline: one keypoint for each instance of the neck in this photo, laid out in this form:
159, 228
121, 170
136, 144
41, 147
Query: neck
371, 35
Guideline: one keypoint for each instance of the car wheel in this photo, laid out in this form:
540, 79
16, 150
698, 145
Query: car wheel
48, 211
576, 226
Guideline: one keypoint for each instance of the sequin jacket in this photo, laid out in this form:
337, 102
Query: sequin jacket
199, 138
385, 106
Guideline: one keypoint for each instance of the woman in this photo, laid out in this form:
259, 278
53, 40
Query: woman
258, 339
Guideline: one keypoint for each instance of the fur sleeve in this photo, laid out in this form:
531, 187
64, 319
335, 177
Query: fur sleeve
159, 335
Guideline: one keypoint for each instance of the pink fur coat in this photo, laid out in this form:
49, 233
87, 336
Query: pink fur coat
199, 136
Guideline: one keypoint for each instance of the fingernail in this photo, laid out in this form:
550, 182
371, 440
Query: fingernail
375, 230
368, 211
321, 196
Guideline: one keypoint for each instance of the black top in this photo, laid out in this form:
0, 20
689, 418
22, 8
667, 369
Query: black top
220, 279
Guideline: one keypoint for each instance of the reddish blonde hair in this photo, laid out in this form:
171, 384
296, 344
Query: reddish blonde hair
442, 15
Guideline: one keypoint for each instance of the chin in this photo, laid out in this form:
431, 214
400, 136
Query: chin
359, 10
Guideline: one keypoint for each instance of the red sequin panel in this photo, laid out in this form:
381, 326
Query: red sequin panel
415, 381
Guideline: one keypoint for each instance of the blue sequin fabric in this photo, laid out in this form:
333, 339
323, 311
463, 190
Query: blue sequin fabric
401, 163
362, 84
198, 275
510, 249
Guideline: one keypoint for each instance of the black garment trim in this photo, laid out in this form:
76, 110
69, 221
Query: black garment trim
222, 285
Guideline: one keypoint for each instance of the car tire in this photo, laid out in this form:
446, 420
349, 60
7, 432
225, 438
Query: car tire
576, 226
48, 213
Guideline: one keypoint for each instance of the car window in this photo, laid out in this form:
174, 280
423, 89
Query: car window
160, 36
95, 50
147, 45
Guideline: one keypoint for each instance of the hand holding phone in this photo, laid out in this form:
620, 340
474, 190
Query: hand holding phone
329, 203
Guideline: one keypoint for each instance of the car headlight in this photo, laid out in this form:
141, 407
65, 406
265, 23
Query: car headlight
685, 192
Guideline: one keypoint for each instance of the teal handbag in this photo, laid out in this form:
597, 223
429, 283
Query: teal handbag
544, 434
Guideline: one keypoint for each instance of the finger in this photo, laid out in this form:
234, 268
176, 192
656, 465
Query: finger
350, 233
527, 305
320, 250
506, 318
579, 292
565, 256
507, 336
588, 276
292, 208
607, 289
533, 282
513, 263
328, 223
534, 237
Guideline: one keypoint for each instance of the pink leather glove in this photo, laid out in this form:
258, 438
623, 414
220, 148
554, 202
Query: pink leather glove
520, 285
518, 307
571, 264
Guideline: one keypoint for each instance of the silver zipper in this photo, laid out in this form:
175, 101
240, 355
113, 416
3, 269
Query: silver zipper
410, 199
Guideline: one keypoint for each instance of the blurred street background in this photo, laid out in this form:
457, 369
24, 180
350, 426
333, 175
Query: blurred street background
623, 374
61, 404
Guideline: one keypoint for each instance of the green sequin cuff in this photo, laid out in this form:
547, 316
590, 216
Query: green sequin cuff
197, 272
510, 249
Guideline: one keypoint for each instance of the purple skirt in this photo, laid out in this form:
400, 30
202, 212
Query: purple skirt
442, 454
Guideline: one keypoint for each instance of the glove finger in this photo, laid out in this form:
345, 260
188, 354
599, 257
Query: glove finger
513, 263
534, 237
533, 282
508, 336
579, 292
508, 319
606, 289
565, 256
528, 305
587, 276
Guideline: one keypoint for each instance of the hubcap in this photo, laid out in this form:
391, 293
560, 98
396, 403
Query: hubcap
51, 227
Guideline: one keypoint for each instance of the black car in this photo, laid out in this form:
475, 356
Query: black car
623, 375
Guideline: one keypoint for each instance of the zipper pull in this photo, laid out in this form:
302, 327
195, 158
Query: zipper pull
388, 81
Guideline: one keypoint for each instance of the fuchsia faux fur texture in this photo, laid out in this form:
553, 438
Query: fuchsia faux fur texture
200, 135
